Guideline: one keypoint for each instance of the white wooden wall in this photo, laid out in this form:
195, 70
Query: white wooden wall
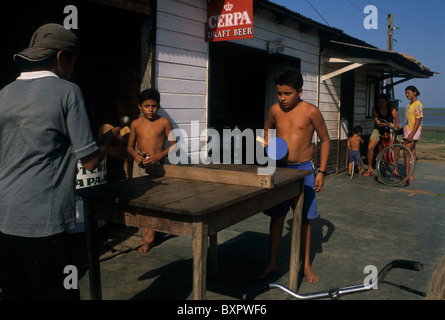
182, 58
182, 61
181, 64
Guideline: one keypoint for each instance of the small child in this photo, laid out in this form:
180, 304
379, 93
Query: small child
354, 155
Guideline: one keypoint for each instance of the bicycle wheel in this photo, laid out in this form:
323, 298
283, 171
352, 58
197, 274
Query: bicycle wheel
352, 171
390, 165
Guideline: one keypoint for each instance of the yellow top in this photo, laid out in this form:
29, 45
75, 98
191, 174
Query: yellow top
413, 111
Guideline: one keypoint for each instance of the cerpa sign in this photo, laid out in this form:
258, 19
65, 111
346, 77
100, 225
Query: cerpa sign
229, 20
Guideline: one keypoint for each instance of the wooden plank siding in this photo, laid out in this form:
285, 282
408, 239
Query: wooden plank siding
182, 73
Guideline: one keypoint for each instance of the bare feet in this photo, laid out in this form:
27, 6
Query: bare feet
267, 270
147, 241
146, 247
311, 276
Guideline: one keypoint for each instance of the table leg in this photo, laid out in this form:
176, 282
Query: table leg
200, 246
91, 230
296, 240
213, 255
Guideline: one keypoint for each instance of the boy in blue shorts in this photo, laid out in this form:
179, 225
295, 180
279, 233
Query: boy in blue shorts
354, 155
296, 121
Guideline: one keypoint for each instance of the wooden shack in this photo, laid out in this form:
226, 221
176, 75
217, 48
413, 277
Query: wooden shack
128, 46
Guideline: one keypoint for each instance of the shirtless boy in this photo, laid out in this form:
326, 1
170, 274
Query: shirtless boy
148, 135
354, 149
295, 121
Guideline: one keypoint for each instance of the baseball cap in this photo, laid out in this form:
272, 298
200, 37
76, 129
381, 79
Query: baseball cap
47, 40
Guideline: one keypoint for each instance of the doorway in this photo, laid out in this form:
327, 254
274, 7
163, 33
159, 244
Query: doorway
242, 85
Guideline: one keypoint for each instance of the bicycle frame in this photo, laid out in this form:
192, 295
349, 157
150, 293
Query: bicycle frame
387, 140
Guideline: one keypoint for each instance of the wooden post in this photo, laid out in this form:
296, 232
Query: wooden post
389, 47
91, 230
296, 240
200, 246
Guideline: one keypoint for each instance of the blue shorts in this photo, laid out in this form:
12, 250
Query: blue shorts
309, 204
354, 156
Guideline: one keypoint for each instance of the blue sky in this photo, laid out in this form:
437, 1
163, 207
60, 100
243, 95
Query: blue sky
420, 33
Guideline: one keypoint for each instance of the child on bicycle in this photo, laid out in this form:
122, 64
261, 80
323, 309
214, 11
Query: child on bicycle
354, 155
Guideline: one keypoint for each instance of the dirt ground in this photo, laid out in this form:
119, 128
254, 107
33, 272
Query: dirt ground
431, 146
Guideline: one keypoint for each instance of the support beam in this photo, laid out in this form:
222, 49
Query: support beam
340, 71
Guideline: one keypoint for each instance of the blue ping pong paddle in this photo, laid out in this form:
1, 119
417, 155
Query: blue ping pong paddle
277, 148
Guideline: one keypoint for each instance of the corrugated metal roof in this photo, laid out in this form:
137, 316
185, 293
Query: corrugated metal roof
337, 39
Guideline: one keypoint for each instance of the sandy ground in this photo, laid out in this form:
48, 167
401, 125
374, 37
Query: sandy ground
429, 148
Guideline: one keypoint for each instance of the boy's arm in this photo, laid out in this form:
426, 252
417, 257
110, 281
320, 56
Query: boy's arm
91, 161
131, 144
323, 135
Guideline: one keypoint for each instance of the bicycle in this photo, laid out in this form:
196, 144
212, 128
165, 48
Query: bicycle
392, 159
337, 293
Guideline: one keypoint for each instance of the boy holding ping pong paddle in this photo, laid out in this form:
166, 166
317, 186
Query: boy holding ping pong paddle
44, 129
295, 121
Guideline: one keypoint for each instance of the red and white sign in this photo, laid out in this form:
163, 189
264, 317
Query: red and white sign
229, 20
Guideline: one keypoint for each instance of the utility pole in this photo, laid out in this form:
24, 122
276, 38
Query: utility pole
389, 47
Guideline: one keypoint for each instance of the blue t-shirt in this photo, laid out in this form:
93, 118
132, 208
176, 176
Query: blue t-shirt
44, 129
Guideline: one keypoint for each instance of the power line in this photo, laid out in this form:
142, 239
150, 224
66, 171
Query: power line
376, 7
361, 10
355, 6
318, 13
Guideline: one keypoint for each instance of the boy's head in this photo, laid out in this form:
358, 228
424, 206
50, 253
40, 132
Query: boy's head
149, 103
357, 130
52, 47
289, 85
290, 77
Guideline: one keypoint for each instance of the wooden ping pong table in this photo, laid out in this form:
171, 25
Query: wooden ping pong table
193, 201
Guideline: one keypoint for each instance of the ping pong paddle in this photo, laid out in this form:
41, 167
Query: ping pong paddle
276, 149
115, 148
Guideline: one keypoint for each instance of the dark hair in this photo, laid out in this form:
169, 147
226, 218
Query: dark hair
413, 89
150, 94
383, 96
290, 77
357, 129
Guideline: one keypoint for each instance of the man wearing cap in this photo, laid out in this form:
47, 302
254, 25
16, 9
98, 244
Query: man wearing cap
44, 129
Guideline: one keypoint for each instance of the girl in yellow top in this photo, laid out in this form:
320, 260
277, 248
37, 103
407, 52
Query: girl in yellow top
413, 123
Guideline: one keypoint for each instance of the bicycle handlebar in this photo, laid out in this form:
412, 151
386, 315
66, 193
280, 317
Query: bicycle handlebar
407, 264
400, 264
336, 292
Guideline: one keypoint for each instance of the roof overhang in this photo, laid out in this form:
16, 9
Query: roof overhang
380, 64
